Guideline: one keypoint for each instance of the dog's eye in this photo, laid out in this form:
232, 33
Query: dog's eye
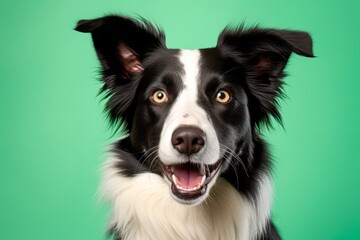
159, 97
223, 97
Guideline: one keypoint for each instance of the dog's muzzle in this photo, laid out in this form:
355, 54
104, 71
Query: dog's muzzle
189, 180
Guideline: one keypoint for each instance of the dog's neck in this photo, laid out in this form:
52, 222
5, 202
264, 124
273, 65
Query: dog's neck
144, 209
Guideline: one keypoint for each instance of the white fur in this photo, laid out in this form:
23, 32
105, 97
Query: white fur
144, 209
186, 111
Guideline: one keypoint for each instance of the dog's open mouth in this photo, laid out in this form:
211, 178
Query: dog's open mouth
189, 180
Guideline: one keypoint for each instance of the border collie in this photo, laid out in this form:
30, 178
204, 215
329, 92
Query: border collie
193, 165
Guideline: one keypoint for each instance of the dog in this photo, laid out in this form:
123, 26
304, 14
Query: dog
192, 164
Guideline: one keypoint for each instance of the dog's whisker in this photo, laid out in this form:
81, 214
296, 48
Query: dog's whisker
237, 176
232, 153
153, 161
148, 153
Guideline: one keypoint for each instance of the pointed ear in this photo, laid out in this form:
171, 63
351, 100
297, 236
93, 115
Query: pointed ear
264, 54
266, 50
121, 45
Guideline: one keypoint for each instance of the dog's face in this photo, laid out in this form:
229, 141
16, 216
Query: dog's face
192, 113
183, 116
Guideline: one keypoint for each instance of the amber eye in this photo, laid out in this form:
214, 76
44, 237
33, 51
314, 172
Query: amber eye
159, 97
223, 97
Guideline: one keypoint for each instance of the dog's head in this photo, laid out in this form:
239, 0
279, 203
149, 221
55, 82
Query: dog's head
192, 113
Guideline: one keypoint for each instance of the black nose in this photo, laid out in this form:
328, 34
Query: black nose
188, 139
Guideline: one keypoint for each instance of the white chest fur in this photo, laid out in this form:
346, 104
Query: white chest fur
142, 208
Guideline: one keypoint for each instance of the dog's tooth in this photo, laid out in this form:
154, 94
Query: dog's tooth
202, 181
175, 179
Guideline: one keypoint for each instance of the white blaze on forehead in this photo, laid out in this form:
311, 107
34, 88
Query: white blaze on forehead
186, 111
185, 106
190, 60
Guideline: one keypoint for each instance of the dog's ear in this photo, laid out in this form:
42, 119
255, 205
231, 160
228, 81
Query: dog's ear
263, 54
121, 44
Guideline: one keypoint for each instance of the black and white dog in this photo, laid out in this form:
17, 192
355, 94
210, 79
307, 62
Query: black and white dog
193, 165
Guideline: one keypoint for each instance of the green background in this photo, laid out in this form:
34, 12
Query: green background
53, 133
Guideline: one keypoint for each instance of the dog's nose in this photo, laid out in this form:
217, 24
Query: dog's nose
188, 139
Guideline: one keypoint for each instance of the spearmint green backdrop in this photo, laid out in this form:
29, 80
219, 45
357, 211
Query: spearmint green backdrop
53, 133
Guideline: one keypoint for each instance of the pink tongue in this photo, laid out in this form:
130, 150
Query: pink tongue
188, 175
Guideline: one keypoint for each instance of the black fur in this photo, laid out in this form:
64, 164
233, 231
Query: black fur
247, 62
109, 34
